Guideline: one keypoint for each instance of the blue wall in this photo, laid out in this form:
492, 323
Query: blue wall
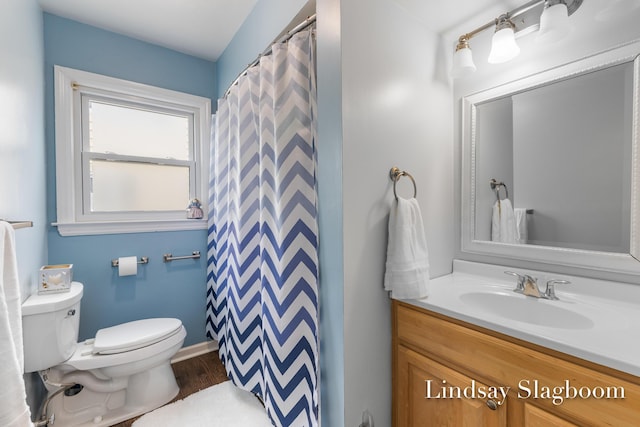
262, 26
175, 289
22, 146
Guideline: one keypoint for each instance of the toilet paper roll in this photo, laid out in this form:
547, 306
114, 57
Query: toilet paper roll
127, 266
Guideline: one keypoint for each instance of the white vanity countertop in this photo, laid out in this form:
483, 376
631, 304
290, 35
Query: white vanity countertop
594, 320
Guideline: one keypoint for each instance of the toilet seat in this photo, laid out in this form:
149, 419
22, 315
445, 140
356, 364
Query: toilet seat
85, 358
133, 335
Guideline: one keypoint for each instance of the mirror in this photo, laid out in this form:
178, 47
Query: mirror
561, 144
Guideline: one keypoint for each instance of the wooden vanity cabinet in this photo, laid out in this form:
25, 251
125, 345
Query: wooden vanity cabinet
415, 371
435, 357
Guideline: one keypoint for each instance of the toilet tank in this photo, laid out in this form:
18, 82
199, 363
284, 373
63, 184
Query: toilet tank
50, 325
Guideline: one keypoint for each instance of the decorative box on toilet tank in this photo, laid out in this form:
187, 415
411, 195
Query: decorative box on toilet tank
55, 278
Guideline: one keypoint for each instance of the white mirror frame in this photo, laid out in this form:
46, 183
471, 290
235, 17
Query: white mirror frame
602, 261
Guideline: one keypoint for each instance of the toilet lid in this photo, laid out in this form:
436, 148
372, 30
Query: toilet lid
133, 335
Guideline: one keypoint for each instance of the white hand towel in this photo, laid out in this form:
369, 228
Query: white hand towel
14, 411
407, 266
521, 225
503, 222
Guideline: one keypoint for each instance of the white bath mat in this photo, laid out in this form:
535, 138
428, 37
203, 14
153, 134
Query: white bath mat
222, 405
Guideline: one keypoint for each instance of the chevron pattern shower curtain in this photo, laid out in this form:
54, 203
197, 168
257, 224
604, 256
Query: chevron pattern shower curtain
262, 284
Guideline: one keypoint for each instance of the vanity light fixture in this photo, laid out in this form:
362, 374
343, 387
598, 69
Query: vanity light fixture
554, 21
503, 44
548, 16
463, 59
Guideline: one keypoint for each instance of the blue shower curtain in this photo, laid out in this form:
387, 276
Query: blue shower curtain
262, 284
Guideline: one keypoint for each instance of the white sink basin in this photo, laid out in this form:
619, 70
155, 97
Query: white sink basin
526, 309
595, 320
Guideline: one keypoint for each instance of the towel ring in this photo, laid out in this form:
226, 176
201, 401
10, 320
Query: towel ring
395, 174
495, 185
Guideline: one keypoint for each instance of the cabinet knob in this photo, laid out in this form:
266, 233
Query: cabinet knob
492, 404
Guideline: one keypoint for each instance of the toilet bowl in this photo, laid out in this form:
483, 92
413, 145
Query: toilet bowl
123, 372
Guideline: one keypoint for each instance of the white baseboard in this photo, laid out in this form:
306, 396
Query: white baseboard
195, 350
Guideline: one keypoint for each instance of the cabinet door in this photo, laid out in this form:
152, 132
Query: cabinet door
536, 417
427, 396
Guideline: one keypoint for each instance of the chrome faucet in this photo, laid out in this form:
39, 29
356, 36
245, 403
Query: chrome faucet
528, 285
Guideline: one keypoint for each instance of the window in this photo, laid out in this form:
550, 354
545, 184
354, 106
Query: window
129, 157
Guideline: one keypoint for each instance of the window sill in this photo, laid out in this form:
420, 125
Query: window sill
120, 227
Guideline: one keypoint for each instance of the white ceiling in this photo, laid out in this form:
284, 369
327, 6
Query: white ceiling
204, 28
201, 28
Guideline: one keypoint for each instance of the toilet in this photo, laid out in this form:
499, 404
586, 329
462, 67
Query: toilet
123, 372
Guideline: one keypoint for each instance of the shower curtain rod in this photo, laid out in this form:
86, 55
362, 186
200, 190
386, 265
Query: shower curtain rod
301, 26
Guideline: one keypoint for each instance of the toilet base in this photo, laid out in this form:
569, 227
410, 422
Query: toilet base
144, 392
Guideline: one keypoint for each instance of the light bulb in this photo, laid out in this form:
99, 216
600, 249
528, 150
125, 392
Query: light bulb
554, 22
503, 43
462, 60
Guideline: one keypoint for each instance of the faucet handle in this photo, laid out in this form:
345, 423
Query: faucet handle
520, 285
550, 292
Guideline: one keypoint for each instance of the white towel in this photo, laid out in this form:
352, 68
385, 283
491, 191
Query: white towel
503, 222
407, 267
521, 225
14, 411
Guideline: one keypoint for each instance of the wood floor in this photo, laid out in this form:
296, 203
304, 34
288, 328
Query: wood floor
194, 375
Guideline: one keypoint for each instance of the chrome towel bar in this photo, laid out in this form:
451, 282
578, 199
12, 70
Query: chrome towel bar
169, 257
19, 224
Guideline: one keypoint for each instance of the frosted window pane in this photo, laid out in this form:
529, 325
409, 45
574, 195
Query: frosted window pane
119, 186
129, 131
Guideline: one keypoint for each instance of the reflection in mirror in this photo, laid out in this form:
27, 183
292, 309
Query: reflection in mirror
565, 144
564, 152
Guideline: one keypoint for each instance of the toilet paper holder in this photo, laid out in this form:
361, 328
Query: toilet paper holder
142, 260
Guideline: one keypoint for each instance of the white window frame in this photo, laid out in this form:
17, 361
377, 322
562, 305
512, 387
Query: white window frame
72, 216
